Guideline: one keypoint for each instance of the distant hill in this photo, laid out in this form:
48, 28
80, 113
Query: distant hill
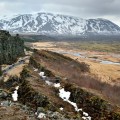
36, 38
55, 24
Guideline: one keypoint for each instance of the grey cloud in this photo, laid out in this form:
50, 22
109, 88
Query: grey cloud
82, 8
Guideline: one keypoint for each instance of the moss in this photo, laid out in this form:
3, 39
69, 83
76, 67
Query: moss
98, 103
0, 71
115, 116
25, 73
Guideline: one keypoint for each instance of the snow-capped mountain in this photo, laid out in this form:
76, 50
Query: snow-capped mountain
47, 23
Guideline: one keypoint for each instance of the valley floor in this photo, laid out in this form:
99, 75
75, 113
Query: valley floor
105, 65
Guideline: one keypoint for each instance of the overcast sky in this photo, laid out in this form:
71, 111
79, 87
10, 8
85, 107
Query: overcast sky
108, 9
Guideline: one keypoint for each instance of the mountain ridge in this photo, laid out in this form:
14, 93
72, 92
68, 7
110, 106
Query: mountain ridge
56, 24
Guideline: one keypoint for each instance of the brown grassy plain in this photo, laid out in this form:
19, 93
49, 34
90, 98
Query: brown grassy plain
106, 72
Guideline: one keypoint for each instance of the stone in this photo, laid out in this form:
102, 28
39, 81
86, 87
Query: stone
6, 103
40, 110
3, 94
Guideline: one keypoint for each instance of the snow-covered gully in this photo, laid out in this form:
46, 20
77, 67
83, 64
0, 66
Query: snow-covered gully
64, 95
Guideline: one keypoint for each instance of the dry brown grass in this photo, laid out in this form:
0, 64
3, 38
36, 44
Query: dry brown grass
106, 73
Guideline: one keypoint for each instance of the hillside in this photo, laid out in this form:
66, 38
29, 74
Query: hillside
55, 24
48, 89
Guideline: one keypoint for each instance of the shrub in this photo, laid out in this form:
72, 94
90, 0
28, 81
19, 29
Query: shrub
0, 71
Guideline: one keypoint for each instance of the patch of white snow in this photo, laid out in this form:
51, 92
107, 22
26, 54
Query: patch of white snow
57, 85
48, 83
61, 109
41, 74
85, 114
41, 115
64, 95
86, 118
15, 94
35, 70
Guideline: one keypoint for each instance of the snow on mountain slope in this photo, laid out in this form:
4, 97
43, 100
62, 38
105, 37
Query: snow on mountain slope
47, 23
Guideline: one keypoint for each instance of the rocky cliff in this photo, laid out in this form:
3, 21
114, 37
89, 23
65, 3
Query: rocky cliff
10, 47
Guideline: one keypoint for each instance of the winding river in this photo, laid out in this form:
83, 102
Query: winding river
81, 55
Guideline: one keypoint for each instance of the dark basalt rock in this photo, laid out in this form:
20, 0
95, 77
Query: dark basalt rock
3, 94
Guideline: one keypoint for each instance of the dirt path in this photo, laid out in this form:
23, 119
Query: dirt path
16, 69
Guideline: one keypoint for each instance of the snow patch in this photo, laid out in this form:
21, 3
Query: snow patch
41, 74
86, 118
57, 85
85, 114
49, 83
64, 95
15, 94
41, 115
35, 70
61, 109
1, 104
17, 88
